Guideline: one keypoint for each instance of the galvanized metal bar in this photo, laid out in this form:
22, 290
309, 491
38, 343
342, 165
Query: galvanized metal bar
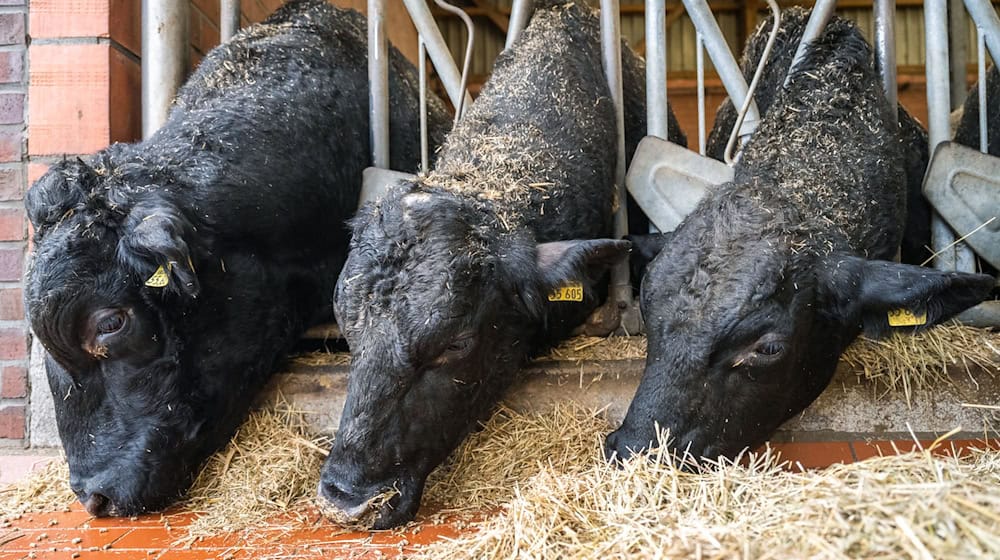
422, 73
984, 142
718, 50
520, 13
949, 256
958, 51
986, 18
741, 115
438, 51
885, 50
611, 43
470, 43
821, 13
378, 84
229, 19
700, 70
164, 57
656, 68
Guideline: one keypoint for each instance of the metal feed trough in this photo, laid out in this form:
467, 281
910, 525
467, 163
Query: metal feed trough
666, 180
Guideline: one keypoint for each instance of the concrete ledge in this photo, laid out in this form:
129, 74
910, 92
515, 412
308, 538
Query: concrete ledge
851, 408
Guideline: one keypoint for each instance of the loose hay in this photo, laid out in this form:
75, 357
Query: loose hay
46, 489
912, 505
270, 466
901, 362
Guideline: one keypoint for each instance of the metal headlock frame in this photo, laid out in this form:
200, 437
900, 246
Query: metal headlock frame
164, 49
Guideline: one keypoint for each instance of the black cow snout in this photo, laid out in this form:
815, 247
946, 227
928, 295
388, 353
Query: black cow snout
341, 503
97, 505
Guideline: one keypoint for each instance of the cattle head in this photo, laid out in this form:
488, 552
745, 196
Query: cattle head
113, 294
440, 305
746, 321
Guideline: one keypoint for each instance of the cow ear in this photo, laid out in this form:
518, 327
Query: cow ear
61, 189
644, 250
564, 262
891, 296
156, 246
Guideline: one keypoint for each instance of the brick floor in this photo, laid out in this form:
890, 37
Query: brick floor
75, 534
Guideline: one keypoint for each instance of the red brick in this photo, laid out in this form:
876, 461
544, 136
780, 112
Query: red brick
79, 18
11, 66
14, 382
13, 344
11, 224
125, 24
10, 145
11, 29
11, 183
11, 304
125, 98
12, 422
11, 108
11, 264
35, 172
68, 99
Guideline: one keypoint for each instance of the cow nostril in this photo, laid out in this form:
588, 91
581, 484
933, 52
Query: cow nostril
97, 505
340, 506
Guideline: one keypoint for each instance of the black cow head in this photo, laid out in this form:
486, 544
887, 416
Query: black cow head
440, 308
745, 330
145, 378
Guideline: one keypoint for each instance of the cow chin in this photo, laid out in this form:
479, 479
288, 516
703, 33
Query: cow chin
379, 506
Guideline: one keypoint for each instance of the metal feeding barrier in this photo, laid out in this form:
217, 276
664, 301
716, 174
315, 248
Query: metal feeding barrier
667, 180
962, 184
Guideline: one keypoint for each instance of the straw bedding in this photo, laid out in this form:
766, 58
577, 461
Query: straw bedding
557, 497
909, 506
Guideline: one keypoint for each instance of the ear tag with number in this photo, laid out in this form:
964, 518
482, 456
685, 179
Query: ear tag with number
906, 318
571, 291
160, 278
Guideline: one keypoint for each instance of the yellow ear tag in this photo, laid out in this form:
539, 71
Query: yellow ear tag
159, 279
571, 291
906, 318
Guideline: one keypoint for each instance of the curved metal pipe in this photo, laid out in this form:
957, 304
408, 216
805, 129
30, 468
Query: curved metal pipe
469, 44
776, 12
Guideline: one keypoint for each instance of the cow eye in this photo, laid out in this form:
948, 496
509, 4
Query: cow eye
109, 321
769, 348
460, 345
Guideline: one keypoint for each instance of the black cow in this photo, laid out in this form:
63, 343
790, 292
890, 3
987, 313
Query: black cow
756, 294
171, 275
917, 232
446, 290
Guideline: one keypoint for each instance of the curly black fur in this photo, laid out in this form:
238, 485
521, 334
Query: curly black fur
755, 295
240, 199
444, 294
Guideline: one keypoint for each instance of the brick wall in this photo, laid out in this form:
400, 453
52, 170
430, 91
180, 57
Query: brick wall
13, 232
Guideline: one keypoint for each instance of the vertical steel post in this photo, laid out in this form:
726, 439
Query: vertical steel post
958, 256
699, 46
437, 49
656, 68
520, 12
958, 51
885, 51
378, 84
422, 72
611, 43
984, 141
229, 19
164, 59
